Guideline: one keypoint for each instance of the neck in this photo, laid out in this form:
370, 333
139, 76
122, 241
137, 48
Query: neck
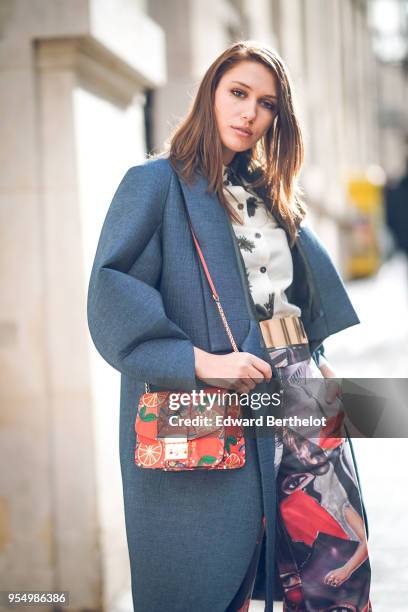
227, 156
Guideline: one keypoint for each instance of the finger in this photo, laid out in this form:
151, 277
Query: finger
245, 385
332, 391
237, 388
242, 385
256, 375
262, 366
241, 389
251, 376
221, 383
225, 383
248, 384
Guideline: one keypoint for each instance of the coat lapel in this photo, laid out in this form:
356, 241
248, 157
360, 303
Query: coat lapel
214, 233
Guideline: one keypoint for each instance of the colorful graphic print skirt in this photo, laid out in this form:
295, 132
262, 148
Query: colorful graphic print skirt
322, 553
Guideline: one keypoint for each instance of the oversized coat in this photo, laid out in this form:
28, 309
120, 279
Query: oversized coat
191, 534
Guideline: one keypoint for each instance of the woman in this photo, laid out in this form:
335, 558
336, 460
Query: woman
195, 537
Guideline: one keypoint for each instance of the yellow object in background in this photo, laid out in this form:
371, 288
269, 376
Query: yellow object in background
365, 194
366, 199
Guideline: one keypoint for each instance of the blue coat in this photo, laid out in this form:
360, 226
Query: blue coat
190, 534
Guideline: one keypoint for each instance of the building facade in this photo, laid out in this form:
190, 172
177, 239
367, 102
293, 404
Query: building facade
87, 88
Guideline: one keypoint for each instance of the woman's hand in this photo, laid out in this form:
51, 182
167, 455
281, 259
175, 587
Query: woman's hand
333, 389
238, 371
336, 577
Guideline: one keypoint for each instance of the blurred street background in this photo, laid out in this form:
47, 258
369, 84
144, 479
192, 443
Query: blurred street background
87, 89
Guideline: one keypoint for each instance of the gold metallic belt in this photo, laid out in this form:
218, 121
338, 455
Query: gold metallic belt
283, 331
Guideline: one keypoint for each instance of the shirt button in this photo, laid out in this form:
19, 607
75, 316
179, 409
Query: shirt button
263, 269
257, 235
240, 206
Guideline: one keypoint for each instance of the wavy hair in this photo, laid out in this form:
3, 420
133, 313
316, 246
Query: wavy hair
271, 166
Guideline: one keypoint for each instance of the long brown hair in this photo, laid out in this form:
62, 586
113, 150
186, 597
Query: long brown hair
272, 165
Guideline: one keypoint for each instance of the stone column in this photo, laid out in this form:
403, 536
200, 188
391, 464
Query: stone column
72, 82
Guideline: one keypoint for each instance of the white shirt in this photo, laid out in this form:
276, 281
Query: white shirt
265, 250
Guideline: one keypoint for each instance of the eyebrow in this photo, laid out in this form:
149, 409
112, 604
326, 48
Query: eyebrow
248, 87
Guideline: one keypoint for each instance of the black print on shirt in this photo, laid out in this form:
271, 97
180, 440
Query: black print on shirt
230, 178
245, 244
270, 304
251, 206
266, 310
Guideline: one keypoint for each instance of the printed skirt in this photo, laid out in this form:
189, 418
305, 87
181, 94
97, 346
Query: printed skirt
321, 553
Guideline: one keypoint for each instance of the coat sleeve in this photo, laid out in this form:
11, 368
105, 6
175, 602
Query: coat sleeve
126, 314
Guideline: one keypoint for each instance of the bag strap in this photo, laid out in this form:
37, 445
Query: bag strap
214, 292
215, 295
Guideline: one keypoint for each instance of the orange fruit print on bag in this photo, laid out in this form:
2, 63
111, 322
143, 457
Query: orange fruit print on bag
212, 446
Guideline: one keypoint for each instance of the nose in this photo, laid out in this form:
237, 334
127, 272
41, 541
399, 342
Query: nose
249, 112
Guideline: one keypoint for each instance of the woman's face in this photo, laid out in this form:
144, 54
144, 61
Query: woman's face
245, 104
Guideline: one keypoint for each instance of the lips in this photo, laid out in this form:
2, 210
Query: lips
242, 131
